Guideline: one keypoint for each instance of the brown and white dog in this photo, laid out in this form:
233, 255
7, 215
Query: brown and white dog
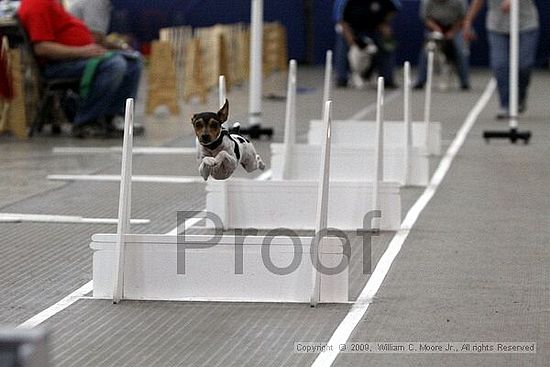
220, 152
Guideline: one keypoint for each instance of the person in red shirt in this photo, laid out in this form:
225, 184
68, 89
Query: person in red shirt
65, 46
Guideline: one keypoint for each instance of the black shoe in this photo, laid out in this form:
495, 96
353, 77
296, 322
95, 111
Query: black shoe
418, 86
91, 129
465, 87
341, 83
390, 86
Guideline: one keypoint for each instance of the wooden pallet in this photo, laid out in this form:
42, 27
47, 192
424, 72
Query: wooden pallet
179, 38
13, 116
162, 78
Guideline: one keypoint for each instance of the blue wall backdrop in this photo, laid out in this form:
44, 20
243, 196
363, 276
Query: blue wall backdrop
143, 18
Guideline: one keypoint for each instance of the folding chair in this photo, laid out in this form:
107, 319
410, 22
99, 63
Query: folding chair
50, 90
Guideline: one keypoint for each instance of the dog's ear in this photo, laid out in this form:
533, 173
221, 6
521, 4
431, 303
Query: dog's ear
193, 119
223, 113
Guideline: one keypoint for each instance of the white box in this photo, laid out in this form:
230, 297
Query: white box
362, 133
151, 269
292, 204
351, 163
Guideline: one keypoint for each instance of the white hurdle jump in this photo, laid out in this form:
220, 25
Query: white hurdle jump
354, 154
290, 203
147, 266
425, 134
356, 132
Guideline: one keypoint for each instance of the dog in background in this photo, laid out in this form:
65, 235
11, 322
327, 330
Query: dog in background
219, 151
361, 61
444, 59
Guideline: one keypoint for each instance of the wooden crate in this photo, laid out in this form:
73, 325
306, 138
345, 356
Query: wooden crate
13, 114
162, 78
179, 38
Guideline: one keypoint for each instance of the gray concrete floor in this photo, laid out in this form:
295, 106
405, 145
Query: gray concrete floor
475, 266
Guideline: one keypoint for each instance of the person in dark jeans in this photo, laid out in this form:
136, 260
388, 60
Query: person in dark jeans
67, 49
445, 17
498, 27
372, 19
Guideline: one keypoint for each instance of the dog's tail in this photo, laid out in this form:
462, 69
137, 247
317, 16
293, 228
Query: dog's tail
235, 129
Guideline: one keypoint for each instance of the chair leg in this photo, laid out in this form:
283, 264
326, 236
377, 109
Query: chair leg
38, 121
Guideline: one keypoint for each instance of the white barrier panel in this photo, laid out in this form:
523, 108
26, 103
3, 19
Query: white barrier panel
358, 132
151, 269
228, 268
351, 163
292, 204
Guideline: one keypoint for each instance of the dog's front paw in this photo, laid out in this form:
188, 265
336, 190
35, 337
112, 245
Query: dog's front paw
204, 171
209, 161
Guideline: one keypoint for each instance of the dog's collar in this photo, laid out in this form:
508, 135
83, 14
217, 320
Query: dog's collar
216, 143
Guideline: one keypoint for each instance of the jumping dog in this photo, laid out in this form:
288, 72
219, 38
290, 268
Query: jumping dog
219, 151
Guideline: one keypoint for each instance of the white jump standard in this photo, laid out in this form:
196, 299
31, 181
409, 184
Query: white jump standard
289, 201
353, 152
425, 134
203, 268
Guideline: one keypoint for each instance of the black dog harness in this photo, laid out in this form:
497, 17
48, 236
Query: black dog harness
216, 143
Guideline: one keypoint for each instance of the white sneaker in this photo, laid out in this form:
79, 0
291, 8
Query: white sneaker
502, 114
118, 124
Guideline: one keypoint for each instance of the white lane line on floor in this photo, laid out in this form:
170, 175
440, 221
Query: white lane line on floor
73, 219
372, 107
137, 178
58, 307
136, 150
88, 287
81, 292
359, 308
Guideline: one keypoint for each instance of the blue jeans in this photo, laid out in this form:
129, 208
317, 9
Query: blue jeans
115, 79
384, 61
500, 62
341, 65
461, 62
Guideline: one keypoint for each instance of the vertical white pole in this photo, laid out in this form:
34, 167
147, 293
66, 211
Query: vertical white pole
222, 90
379, 151
125, 200
407, 119
222, 95
328, 78
428, 99
321, 220
514, 63
256, 51
290, 119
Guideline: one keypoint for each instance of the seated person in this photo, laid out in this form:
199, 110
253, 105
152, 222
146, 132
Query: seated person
445, 17
96, 14
372, 19
65, 47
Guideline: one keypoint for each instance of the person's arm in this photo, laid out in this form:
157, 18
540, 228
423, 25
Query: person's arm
99, 38
348, 33
450, 34
473, 10
57, 51
385, 27
432, 25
